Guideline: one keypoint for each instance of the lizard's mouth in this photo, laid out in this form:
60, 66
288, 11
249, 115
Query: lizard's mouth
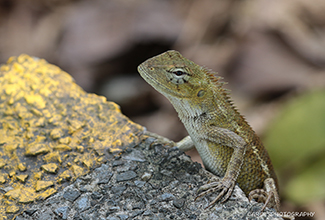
161, 87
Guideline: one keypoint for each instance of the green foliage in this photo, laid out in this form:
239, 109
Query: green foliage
296, 143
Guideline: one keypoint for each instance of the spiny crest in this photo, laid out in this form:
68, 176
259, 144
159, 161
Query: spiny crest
217, 80
214, 78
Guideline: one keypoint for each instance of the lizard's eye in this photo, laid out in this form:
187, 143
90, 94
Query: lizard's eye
179, 73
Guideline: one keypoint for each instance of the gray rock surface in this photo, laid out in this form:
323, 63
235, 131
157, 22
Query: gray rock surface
148, 181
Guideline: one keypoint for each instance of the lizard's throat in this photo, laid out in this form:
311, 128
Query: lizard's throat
185, 108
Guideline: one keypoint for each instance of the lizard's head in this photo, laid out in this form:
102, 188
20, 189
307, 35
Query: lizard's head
173, 75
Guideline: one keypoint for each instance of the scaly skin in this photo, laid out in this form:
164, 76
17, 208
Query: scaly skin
226, 143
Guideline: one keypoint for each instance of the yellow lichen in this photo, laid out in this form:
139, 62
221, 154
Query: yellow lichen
56, 133
62, 147
77, 171
80, 149
22, 167
12, 209
87, 160
35, 149
41, 185
46, 193
36, 100
12, 173
2, 163
65, 176
53, 157
22, 178
13, 194
38, 175
50, 167
65, 140
51, 131
27, 195
3, 178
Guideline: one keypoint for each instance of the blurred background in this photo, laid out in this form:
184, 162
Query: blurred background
271, 53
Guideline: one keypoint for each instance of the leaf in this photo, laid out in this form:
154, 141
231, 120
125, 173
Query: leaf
296, 143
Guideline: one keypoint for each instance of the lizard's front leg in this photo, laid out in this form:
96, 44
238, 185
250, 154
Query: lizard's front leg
227, 183
225, 137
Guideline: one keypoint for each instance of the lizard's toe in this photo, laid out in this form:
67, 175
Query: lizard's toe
157, 139
226, 186
268, 196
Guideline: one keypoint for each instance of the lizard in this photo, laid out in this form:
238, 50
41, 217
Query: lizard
226, 143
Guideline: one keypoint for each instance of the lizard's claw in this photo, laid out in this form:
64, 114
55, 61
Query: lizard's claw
158, 139
226, 185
